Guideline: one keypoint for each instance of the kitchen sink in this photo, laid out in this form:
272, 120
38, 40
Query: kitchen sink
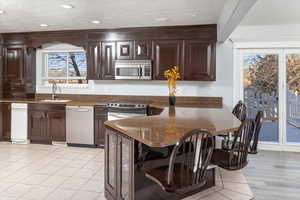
56, 100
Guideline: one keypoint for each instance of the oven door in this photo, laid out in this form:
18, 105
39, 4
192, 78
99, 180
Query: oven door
133, 72
117, 116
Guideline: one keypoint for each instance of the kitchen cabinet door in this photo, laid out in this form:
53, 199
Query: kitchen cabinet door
56, 122
142, 49
125, 50
6, 121
94, 61
199, 61
13, 64
108, 57
99, 128
167, 53
37, 127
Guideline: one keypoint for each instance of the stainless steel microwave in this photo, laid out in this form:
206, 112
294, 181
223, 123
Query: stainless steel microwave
133, 69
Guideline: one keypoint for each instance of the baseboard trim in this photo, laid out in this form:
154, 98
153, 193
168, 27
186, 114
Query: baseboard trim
279, 147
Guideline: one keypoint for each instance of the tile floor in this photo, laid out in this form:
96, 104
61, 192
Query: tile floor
57, 172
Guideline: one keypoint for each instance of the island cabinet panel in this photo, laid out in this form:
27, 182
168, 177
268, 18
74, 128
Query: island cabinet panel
119, 166
142, 49
125, 50
46, 123
108, 57
100, 117
167, 53
199, 60
94, 61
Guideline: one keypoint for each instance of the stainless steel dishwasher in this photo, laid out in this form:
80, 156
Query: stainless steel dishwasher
80, 125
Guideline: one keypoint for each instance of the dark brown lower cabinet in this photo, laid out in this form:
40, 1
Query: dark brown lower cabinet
119, 166
46, 123
5, 121
57, 125
100, 116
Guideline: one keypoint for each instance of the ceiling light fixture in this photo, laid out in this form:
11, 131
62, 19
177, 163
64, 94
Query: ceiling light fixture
95, 22
161, 19
67, 6
44, 25
2, 12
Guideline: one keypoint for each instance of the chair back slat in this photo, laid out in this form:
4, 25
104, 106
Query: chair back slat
241, 143
192, 153
258, 124
240, 111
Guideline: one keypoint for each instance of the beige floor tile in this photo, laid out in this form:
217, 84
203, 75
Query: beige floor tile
37, 193
54, 181
34, 179
80, 195
93, 186
73, 183
61, 194
49, 170
84, 173
16, 190
66, 171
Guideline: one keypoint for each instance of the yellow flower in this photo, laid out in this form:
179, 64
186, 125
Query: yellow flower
172, 75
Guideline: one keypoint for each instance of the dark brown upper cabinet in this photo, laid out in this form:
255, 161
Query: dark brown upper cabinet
124, 50
94, 61
18, 71
142, 49
108, 57
14, 64
167, 53
199, 61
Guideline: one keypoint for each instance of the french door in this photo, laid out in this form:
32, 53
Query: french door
270, 82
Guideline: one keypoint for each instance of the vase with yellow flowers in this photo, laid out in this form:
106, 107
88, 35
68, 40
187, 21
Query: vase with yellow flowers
172, 75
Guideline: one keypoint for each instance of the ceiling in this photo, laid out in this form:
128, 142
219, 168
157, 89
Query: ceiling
27, 15
273, 12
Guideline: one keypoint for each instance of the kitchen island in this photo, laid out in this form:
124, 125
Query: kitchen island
127, 139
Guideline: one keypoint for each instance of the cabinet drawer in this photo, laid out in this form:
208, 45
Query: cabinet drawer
47, 107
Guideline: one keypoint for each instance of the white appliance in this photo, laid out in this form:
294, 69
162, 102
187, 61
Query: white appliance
133, 69
19, 119
80, 125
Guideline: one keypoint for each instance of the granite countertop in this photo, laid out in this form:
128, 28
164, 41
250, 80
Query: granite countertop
170, 125
40, 101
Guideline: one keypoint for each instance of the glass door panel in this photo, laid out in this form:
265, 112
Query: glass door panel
260, 87
293, 98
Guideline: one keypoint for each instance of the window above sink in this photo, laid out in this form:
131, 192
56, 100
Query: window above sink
63, 64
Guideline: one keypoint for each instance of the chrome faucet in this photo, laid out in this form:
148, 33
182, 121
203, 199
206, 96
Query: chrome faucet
54, 90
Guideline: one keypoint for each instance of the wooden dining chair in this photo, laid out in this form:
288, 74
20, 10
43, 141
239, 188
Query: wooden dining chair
235, 157
258, 124
187, 165
239, 111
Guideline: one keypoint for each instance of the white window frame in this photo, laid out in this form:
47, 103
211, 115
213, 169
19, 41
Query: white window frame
281, 49
41, 66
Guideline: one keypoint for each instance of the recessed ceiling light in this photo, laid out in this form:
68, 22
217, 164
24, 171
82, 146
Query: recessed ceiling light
161, 19
194, 15
2, 12
67, 6
44, 25
95, 22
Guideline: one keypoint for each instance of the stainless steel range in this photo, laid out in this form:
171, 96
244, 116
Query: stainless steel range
121, 110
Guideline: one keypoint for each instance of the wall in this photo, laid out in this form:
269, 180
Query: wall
223, 87
267, 33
